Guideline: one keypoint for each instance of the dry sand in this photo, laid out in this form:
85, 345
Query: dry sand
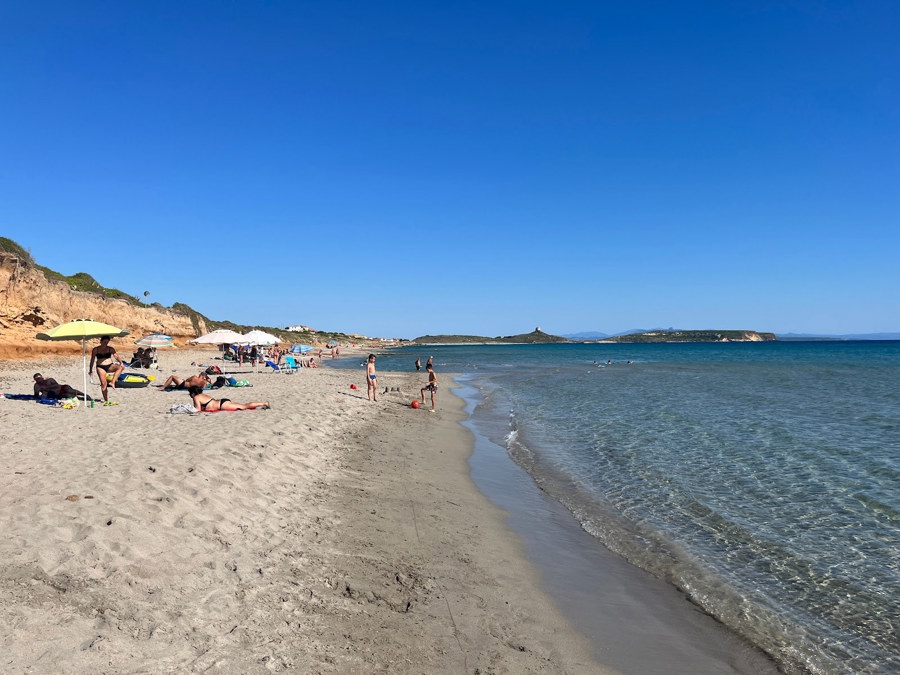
330, 534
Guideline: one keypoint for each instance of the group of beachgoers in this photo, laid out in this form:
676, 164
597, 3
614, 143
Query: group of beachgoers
431, 387
195, 384
108, 366
142, 358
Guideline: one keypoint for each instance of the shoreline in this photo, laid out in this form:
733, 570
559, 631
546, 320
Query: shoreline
329, 534
646, 624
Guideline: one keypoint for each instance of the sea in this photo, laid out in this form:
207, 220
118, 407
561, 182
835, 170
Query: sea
760, 478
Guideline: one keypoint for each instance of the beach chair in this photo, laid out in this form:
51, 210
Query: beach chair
284, 370
290, 364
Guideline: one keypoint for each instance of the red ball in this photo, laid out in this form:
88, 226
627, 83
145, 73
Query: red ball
353, 386
414, 404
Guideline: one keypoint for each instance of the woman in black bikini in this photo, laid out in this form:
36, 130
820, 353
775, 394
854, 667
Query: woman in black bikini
107, 361
206, 403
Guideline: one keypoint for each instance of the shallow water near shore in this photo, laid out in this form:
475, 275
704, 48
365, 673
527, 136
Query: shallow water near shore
643, 624
760, 478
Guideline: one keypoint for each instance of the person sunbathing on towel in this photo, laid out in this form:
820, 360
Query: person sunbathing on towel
205, 403
176, 383
50, 388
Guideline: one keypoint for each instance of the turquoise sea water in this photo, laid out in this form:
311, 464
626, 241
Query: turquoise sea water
761, 478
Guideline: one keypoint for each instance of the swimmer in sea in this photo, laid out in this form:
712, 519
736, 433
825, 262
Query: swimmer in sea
371, 379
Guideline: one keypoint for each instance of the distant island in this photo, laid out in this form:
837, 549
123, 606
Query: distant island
695, 336
537, 336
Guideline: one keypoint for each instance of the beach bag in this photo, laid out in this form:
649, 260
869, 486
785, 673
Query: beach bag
214, 370
219, 383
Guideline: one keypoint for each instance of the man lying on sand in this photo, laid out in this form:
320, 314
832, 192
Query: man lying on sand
176, 383
50, 388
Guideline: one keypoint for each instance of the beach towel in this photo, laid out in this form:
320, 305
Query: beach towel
262, 407
55, 402
183, 409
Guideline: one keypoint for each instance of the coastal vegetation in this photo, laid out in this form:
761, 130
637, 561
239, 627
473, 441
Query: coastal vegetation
83, 282
9, 246
537, 336
694, 336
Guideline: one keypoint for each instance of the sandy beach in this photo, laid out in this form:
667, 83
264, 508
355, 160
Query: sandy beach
329, 534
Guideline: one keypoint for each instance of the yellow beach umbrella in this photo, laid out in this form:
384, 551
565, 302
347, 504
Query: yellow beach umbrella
82, 330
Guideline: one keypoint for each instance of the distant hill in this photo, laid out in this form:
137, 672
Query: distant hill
537, 336
696, 336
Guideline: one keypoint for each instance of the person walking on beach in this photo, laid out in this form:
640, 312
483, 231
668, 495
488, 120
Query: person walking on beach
431, 386
371, 379
418, 365
108, 362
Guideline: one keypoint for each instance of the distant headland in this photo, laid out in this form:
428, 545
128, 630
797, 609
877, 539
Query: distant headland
537, 336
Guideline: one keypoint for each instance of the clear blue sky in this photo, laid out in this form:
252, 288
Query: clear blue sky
405, 168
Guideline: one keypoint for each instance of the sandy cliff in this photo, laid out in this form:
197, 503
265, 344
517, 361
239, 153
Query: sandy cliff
31, 303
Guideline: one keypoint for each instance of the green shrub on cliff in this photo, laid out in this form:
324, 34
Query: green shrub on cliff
9, 246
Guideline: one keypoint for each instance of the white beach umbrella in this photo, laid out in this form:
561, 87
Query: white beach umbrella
223, 336
259, 337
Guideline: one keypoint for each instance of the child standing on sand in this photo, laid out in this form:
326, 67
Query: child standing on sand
431, 386
371, 379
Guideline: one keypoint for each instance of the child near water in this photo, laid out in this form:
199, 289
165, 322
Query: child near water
431, 386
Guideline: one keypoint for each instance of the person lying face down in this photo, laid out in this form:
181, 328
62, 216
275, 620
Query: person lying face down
50, 388
206, 403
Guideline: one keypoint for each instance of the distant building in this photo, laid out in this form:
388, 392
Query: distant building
300, 329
